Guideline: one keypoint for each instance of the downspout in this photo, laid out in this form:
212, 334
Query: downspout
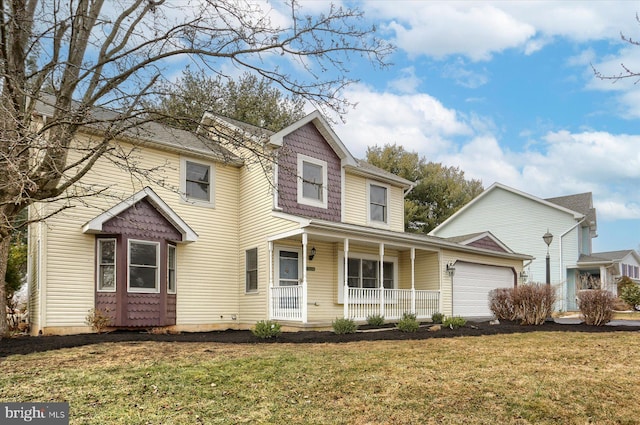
562, 260
270, 283
41, 286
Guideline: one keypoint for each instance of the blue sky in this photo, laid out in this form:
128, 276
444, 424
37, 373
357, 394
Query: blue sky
506, 91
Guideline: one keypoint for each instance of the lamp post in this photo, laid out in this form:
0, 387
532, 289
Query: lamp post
547, 238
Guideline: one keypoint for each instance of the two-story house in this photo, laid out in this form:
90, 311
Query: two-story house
521, 220
246, 225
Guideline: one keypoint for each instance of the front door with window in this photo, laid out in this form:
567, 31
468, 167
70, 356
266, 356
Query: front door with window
289, 271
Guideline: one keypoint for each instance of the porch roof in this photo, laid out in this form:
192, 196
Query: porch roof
339, 231
606, 258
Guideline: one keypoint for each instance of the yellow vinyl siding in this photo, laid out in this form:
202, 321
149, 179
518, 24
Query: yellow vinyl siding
355, 198
425, 273
256, 223
357, 207
322, 284
206, 269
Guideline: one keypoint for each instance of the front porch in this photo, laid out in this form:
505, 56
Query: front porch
288, 303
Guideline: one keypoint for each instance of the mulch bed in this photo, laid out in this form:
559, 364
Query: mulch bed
30, 344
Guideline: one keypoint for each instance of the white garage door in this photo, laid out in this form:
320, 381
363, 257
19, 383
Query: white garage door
472, 284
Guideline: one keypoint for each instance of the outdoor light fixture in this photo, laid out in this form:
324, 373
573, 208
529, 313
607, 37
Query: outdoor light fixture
523, 275
313, 253
548, 238
451, 270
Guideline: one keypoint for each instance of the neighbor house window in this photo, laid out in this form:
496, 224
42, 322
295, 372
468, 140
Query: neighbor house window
171, 269
197, 182
144, 275
107, 265
630, 271
251, 269
378, 203
312, 184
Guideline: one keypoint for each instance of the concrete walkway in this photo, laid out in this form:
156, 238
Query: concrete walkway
575, 320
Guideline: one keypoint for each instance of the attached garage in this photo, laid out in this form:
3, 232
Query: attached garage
472, 284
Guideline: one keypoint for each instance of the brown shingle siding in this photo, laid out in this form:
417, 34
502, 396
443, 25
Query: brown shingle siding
307, 140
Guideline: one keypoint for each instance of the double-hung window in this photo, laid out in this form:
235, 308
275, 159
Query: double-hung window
106, 265
144, 274
197, 182
171, 269
378, 203
312, 181
251, 269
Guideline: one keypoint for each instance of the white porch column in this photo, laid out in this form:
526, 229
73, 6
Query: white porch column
345, 294
413, 281
304, 278
381, 279
270, 285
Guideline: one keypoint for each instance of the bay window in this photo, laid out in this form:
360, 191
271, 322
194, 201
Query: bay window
106, 267
144, 258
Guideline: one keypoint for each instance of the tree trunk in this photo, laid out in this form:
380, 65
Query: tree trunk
5, 242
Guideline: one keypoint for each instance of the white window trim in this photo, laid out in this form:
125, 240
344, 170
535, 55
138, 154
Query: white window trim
175, 269
358, 256
155, 290
115, 264
376, 223
183, 183
307, 201
252, 291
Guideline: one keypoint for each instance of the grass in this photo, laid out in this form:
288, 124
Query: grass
537, 378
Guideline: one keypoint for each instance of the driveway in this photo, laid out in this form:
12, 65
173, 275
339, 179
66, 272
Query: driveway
575, 320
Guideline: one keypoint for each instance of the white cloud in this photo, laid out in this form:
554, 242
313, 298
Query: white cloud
408, 82
463, 76
479, 29
561, 163
441, 29
418, 122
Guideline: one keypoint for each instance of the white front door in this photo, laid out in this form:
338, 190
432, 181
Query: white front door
289, 272
289, 269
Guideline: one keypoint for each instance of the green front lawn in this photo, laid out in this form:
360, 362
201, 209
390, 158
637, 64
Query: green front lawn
537, 378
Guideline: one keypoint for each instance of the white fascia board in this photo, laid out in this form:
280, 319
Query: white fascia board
95, 225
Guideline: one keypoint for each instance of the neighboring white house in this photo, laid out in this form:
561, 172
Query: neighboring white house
520, 221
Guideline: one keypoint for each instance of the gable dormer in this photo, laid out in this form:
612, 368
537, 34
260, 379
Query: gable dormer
309, 175
310, 169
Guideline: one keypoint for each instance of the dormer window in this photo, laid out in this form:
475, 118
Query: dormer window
312, 181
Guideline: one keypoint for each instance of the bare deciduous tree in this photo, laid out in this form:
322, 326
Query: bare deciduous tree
76, 58
625, 72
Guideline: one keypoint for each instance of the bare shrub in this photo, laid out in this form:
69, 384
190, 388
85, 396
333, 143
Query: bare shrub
621, 305
533, 303
596, 306
98, 319
530, 304
501, 304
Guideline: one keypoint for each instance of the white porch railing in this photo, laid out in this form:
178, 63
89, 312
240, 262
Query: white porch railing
366, 302
286, 303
